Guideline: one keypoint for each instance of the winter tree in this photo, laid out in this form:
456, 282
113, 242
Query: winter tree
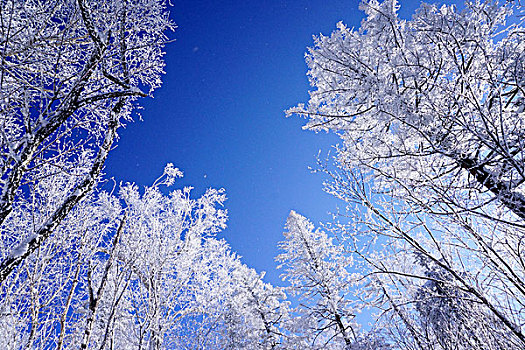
318, 274
430, 113
137, 270
71, 71
435, 103
450, 317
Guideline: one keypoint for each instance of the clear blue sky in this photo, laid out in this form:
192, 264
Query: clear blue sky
234, 68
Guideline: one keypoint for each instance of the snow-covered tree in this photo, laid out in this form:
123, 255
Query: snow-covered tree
430, 113
70, 73
260, 310
140, 269
319, 275
450, 317
429, 106
390, 239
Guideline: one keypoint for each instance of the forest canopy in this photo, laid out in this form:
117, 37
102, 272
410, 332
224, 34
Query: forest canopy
430, 170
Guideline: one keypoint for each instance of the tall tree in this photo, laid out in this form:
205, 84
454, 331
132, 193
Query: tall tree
430, 112
70, 73
318, 273
433, 105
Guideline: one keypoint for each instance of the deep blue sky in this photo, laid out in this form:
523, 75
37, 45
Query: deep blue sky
234, 68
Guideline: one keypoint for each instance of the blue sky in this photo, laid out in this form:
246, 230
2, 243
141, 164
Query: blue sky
234, 68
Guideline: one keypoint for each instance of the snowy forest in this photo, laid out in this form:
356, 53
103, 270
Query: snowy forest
430, 168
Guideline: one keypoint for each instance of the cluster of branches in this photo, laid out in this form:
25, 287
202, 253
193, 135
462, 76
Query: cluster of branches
431, 115
70, 71
139, 271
